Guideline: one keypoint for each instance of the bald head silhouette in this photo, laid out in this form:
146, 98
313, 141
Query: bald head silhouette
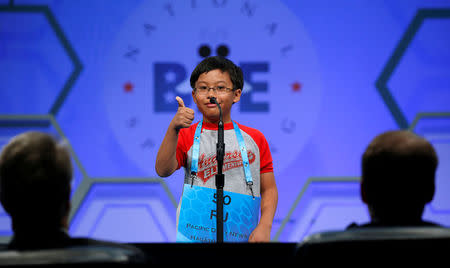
398, 177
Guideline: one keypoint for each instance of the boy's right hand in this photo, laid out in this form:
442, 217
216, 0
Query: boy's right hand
184, 116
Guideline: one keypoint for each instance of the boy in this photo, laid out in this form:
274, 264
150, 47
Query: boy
244, 187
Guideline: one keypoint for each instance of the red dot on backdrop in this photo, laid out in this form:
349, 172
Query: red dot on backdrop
128, 87
296, 86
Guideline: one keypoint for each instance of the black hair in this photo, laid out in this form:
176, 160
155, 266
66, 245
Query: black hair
223, 64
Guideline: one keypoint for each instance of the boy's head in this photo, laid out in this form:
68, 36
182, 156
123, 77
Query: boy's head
220, 63
398, 175
220, 78
35, 177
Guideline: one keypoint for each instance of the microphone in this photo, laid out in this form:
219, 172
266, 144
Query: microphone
214, 100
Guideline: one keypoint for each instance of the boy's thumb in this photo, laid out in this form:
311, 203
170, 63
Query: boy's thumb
180, 102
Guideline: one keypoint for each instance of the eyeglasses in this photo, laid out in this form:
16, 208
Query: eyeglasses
203, 90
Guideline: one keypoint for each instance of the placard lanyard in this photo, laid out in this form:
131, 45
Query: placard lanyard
242, 148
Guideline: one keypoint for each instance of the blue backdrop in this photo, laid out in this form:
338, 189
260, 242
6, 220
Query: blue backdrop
322, 78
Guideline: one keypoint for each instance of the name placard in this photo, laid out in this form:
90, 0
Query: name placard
197, 220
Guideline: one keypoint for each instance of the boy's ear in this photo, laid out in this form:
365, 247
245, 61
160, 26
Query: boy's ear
237, 95
193, 96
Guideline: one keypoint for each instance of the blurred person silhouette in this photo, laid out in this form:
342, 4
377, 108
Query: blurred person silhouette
398, 179
35, 186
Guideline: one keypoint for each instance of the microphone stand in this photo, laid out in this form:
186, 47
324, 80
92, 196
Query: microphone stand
220, 178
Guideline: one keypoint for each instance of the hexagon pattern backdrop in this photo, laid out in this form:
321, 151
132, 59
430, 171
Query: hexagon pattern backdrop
322, 78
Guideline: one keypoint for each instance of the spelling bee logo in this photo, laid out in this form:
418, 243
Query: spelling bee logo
207, 166
160, 43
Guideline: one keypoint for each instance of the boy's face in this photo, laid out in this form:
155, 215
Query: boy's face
215, 78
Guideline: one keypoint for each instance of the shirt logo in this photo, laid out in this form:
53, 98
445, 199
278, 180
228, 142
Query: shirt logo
207, 165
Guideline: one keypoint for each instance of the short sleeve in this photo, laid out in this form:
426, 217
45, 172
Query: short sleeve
185, 141
265, 155
266, 164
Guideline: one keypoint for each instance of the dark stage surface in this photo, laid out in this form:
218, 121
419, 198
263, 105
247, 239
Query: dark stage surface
239, 253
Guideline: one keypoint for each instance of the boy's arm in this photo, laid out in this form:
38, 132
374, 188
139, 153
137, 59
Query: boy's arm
166, 159
269, 201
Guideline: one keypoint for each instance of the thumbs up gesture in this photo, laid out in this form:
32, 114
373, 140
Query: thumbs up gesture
184, 116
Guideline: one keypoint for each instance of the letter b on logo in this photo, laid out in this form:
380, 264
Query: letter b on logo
167, 76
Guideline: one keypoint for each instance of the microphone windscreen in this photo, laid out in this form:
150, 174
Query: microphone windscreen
212, 100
